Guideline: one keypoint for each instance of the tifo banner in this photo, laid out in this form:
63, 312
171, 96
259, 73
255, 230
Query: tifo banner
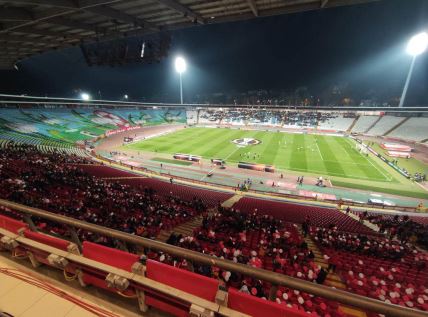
113, 132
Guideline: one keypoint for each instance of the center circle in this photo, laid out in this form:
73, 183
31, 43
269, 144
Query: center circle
246, 141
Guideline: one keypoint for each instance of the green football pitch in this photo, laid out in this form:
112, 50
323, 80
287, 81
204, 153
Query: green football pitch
309, 154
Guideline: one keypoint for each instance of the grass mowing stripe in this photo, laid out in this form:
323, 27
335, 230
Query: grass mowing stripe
203, 139
387, 176
282, 159
298, 159
358, 158
225, 141
299, 153
333, 168
271, 150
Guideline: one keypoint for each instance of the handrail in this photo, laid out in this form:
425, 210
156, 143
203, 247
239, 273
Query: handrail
272, 277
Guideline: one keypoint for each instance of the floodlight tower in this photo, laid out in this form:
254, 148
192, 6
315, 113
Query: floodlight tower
416, 46
180, 67
85, 96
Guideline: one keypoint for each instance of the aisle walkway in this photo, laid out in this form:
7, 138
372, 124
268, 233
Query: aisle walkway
232, 200
185, 229
332, 280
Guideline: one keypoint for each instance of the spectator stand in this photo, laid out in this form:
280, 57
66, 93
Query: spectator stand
118, 278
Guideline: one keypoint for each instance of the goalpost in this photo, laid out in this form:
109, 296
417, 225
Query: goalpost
361, 148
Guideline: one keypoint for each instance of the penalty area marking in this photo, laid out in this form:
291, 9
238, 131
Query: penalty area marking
233, 152
319, 151
369, 160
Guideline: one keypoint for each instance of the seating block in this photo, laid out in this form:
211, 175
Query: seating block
258, 307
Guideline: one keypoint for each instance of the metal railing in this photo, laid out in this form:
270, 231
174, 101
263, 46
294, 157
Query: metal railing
276, 279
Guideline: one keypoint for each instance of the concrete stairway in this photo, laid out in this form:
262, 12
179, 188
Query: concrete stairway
373, 124
186, 229
367, 223
231, 201
396, 126
353, 124
332, 280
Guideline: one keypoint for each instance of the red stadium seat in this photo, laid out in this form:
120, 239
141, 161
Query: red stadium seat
11, 225
46, 239
42, 256
113, 257
258, 307
186, 281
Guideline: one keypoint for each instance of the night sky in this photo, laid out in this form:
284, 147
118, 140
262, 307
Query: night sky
361, 47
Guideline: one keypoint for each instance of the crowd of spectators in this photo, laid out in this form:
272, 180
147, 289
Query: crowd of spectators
266, 116
361, 244
259, 241
403, 228
56, 183
384, 268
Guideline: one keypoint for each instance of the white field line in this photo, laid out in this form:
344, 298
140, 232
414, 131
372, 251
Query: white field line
316, 142
386, 177
233, 152
369, 160
421, 186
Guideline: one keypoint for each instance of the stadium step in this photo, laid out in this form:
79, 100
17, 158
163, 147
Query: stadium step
332, 279
231, 201
185, 229
353, 124
373, 124
355, 217
396, 126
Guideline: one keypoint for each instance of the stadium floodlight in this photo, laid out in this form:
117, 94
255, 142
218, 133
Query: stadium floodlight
416, 46
180, 67
180, 64
85, 96
125, 96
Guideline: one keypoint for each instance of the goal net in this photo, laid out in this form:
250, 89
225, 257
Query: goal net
361, 148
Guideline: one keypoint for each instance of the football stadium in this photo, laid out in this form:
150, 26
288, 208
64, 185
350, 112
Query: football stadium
286, 205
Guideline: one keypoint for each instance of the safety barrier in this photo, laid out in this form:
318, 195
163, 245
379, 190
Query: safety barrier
111, 269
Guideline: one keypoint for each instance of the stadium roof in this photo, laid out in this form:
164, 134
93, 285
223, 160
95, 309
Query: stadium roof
29, 27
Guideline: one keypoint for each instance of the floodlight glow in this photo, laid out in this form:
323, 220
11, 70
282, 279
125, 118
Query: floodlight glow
417, 44
180, 64
125, 96
85, 96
